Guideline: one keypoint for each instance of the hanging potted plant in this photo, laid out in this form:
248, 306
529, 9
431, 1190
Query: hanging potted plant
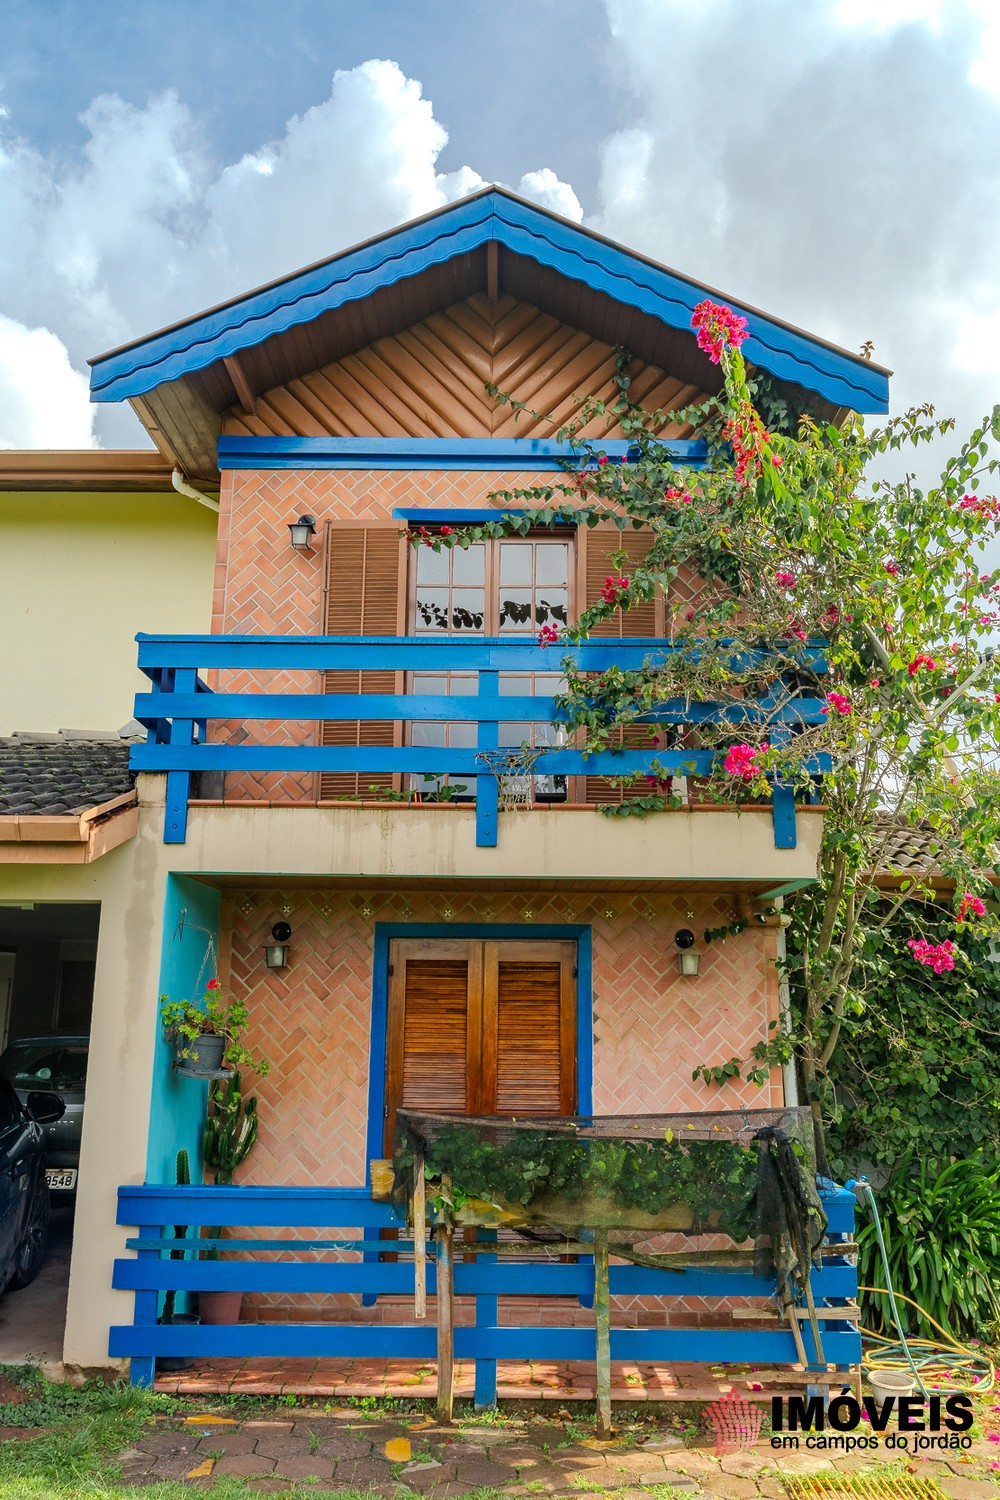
208, 1034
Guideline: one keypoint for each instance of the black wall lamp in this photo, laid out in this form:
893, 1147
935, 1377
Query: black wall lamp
302, 532
688, 962
276, 952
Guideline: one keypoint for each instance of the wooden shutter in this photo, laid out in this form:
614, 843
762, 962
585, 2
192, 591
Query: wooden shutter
433, 1027
646, 619
480, 1028
364, 588
529, 1015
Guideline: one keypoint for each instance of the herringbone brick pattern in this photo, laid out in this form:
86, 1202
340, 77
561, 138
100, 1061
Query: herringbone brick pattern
651, 1027
262, 587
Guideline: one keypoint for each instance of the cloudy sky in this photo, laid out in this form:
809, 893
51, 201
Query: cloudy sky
836, 162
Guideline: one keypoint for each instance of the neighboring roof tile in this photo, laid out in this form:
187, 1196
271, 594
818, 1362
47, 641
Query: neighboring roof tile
61, 773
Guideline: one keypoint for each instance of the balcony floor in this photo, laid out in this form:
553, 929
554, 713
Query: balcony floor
515, 1382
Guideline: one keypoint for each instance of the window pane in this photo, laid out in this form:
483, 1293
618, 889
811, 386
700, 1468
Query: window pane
426, 732
551, 607
515, 610
432, 567
515, 562
426, 682
432, 609
552, 562
469, 564
467, 609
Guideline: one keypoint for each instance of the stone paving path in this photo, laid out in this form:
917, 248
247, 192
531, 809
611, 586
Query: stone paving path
301, 1451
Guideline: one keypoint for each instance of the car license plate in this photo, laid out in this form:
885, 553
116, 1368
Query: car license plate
61, 1177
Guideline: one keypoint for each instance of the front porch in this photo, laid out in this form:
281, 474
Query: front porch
525, 1326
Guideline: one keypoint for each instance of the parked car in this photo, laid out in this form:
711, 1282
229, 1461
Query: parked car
55, 1063
24, 1191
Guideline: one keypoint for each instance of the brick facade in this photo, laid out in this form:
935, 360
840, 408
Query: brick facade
312, 1021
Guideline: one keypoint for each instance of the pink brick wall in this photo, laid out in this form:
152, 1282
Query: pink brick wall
651, 1027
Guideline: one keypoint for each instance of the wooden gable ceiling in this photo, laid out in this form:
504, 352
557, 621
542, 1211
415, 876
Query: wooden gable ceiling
430, 380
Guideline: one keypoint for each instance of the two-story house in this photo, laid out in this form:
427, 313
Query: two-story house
448, 951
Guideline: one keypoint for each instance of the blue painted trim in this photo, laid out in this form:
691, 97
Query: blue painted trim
460, 229
417, 517
468, 707
419, 1341
160, 655
430, 453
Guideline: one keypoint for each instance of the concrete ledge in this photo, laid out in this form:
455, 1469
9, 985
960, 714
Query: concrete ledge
730, 846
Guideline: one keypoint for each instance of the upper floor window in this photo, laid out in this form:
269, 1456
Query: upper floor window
508, 586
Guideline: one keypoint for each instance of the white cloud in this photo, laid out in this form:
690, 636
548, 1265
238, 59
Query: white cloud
831, 162
142, 228
44, 402
545, 188
844, 177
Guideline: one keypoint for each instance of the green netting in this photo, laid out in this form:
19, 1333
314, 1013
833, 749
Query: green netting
749, 1175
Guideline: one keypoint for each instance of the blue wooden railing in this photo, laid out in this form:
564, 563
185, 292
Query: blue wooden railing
352, 1265
181, 706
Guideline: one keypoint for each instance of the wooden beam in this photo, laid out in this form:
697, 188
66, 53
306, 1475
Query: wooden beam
602, 1321
241, 385
493, 271
419, 1237
445, 1236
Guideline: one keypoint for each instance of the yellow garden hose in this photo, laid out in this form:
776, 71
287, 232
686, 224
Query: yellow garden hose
945, 1365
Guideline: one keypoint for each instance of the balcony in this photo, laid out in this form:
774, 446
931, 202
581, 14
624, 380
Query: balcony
199, 683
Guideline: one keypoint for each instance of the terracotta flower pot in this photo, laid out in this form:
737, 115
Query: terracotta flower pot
220, 1307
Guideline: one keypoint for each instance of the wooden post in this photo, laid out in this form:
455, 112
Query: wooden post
445, 1235
602, 1321
419, 1237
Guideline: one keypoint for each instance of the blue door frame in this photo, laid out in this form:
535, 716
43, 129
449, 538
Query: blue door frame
385, 932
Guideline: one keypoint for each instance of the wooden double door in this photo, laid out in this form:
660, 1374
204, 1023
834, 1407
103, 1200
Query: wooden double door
481, 1026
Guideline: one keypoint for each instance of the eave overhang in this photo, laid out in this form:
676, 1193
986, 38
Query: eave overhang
68, 838
460, 230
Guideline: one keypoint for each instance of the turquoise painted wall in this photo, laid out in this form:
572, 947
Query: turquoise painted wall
179, 1105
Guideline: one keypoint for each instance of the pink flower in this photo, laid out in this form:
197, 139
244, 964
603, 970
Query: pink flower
717, 326
938, 957
740, 761
213, 984
970, 903
876, 682
892, 568
920, 660
547, 635
602, 459
838, 701
614, 589
444, 531
674, 495
985, 506
785, 580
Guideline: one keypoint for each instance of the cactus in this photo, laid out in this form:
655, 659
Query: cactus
182, 1176
230, 1130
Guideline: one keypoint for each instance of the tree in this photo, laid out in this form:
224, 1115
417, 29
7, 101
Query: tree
818, 579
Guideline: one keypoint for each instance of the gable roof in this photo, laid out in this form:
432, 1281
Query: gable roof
400, 276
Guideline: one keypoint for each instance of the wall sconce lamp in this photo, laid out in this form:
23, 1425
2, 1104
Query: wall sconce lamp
688, 962
302, 532
276, 952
